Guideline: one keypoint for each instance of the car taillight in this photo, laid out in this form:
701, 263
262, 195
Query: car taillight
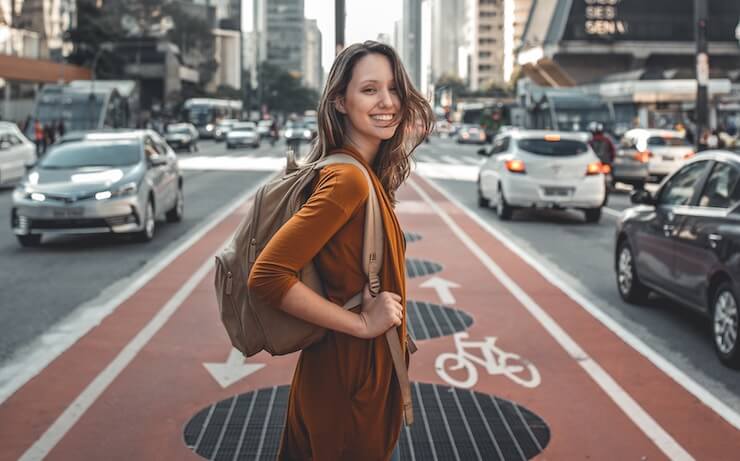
606, 168
643, 157
596, 168
515, 166
688, 155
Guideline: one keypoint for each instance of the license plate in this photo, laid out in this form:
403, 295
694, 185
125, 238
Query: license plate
557, 191
668, 158
71, 212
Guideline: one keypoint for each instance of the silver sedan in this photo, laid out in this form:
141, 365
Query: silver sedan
118, 182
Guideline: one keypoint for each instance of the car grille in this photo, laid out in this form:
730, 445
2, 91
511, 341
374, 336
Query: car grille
61, 198
79, 223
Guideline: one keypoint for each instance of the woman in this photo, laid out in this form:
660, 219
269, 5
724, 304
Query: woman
345, 402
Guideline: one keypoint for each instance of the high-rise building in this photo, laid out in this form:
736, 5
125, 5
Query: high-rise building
516, 13
411, 39
313, 73
448, 18
398, 37
280, 28
485, 29
50, 19
385, 38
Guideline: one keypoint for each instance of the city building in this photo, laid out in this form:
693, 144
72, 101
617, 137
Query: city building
397, 39
385, 38
49, 19
228, 53
313, 74
410, 34
633, 56
485, 29
280, 25
447, 37
516, 13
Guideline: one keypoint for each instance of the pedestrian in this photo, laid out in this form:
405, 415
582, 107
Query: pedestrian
345, 402
61, 129
38, 134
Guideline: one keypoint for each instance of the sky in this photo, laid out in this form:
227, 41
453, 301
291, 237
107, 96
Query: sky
364, 21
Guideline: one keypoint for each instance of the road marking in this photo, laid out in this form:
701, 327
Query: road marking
232, 163
622, 399
442, 286
31, 360
43, 446
472, 160
611, 212
424, 158
451, 159
684, 380
447, 171
233, 370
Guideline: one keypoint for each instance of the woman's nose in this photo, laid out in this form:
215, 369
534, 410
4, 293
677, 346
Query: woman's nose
386, 100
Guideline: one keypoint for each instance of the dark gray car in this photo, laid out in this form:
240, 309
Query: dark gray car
118, 182
684, 242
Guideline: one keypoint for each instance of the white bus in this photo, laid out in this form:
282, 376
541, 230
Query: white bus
204, 113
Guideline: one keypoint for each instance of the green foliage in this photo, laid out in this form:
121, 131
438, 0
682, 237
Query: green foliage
283, 92
93, 28
452, 82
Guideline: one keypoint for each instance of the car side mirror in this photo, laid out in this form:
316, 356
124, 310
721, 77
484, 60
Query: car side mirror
642, 197
485, 152
157, 160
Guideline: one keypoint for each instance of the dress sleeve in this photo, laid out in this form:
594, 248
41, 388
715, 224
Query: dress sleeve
340, 190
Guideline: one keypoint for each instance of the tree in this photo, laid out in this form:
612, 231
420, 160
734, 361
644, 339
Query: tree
283, 92
452, 82
93, 29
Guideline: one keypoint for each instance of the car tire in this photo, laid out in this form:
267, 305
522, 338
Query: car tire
147, 233
628, 284
30, 240
593, 215
176, 212
504, 211
725, 311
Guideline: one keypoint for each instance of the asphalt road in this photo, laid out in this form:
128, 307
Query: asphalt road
42, 286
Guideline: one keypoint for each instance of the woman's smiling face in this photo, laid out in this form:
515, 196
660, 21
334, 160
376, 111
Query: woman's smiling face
371, 103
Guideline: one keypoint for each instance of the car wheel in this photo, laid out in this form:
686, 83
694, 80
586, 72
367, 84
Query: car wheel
629, 285
177, 211
482, 201
30, 240
725, 325
593, 215
147, 233
503, 209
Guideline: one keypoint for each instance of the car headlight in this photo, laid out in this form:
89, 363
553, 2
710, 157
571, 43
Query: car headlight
123, 191
306, 133
288, 133
209, 127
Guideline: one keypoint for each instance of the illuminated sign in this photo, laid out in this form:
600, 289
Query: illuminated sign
602, 18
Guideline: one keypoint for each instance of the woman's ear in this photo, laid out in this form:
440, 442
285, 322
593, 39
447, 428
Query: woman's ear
339, 105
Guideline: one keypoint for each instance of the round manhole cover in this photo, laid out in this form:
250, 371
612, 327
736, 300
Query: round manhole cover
411, 237
420, 267
450, 423
426, 320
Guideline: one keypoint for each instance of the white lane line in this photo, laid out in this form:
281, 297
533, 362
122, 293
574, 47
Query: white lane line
612, 212
41, 448
31, 360
622, 399
472, 160
424, 158
451, 159
684, 380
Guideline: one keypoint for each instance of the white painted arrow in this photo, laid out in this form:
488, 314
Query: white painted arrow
443, 288
233, 370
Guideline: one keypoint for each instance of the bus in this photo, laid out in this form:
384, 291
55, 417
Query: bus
87, 105
204, 113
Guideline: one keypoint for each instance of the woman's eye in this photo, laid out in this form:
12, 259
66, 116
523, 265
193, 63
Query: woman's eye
369, 90
393, 89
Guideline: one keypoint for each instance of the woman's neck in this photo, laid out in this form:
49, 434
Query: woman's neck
366, 148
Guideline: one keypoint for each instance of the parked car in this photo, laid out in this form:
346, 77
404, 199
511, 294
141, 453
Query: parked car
243, 134
683, 242
471, 134
667, 150
531, 168
182, 136
297, 131
17, 153
630, 165
118, 182
222, 128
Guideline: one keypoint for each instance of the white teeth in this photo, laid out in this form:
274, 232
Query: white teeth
383, 118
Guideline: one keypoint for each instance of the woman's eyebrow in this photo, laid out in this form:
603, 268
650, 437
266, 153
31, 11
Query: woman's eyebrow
375, 81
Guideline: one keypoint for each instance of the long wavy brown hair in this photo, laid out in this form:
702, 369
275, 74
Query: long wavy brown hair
392, 162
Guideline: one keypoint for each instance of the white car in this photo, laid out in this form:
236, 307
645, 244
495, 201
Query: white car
666, 150
243, 134
17, 153
542, 169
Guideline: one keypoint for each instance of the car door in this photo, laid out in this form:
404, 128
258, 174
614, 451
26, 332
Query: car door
655, 237
169, 180
156, 174
490, 171
700, 243
12, 161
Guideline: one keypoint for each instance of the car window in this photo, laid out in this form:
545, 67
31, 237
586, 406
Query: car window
722, 188
10, 138
680, 188
558, 148
501, 145
86, 153
666, 141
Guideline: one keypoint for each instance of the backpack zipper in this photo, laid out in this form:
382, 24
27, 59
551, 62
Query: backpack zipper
229, 279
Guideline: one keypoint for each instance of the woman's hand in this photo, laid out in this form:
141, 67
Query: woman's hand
379, 313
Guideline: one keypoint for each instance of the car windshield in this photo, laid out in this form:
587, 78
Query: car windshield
226, 123
559, 148
81, 154
267, 123
666, 141
243, 127
294, 125
178, 129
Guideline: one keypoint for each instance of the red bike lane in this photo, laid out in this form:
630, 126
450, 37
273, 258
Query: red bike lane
157, 379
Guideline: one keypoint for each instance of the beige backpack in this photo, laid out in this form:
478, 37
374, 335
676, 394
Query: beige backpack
253, 326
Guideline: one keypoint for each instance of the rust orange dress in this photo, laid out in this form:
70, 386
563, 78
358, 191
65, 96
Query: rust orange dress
345, 402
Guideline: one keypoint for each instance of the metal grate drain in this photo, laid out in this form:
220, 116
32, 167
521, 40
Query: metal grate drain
411, 237
451, 423
426, 320
419, 267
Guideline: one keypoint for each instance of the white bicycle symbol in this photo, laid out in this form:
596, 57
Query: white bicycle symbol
495, 361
